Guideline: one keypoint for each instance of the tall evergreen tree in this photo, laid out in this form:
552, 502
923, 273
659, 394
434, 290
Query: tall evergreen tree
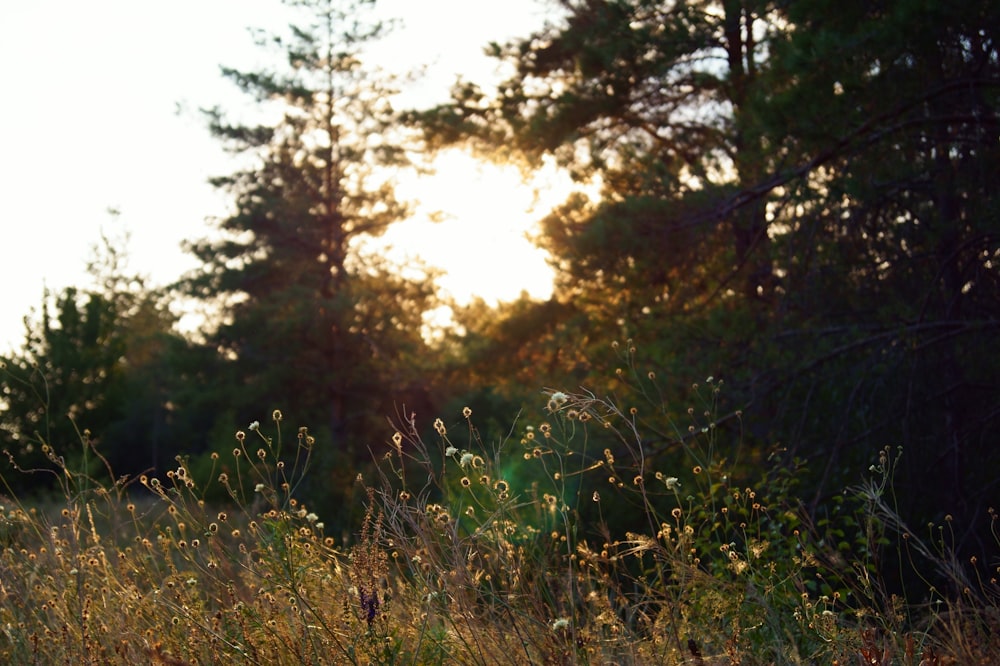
654, 100
889, 114
797, 197
311, 325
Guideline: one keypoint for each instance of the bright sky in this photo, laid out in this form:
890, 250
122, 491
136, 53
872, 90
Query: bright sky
99, 111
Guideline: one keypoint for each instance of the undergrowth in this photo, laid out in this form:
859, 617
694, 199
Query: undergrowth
601, 531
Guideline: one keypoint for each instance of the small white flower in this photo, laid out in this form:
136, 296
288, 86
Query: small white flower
561, 623
254, 426
672, 482
320, 525
450, 451
557, 400
259, 488
312, 517
466, 459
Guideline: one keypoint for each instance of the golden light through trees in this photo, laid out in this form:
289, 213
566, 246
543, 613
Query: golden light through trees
475, 221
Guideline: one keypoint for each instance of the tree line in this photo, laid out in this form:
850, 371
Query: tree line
795, 197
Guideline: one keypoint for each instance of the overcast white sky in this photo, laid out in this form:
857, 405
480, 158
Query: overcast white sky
89, 118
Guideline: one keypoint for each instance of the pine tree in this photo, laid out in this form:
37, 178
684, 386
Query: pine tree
798, 197
311, 325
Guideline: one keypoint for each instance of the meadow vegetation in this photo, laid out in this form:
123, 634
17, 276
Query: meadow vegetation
573, 537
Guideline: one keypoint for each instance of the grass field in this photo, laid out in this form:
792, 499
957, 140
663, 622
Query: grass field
537, 546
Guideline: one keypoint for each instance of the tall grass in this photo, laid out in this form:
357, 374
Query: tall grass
599, 531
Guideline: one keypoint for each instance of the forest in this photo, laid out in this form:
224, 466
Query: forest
787, 285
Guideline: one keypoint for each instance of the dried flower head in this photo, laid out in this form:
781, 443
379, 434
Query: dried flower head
556, 400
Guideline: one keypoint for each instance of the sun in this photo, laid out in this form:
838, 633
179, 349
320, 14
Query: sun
475, 221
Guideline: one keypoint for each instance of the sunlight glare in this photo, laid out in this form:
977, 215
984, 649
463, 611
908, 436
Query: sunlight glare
475, 221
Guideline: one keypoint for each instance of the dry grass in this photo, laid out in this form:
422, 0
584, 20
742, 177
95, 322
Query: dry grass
559, 543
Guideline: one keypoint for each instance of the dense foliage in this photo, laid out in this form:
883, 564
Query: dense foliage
795, 197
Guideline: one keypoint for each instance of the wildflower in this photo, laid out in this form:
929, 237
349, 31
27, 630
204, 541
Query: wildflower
450, 451
259, 488
320, 525
439, 426
466, 412
254, 426
397, 439
312, 517
466, 459
240, 435
557, 400
276, 415
561, 623
672, 483
369, 604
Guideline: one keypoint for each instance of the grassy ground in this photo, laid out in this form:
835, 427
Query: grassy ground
544, 546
